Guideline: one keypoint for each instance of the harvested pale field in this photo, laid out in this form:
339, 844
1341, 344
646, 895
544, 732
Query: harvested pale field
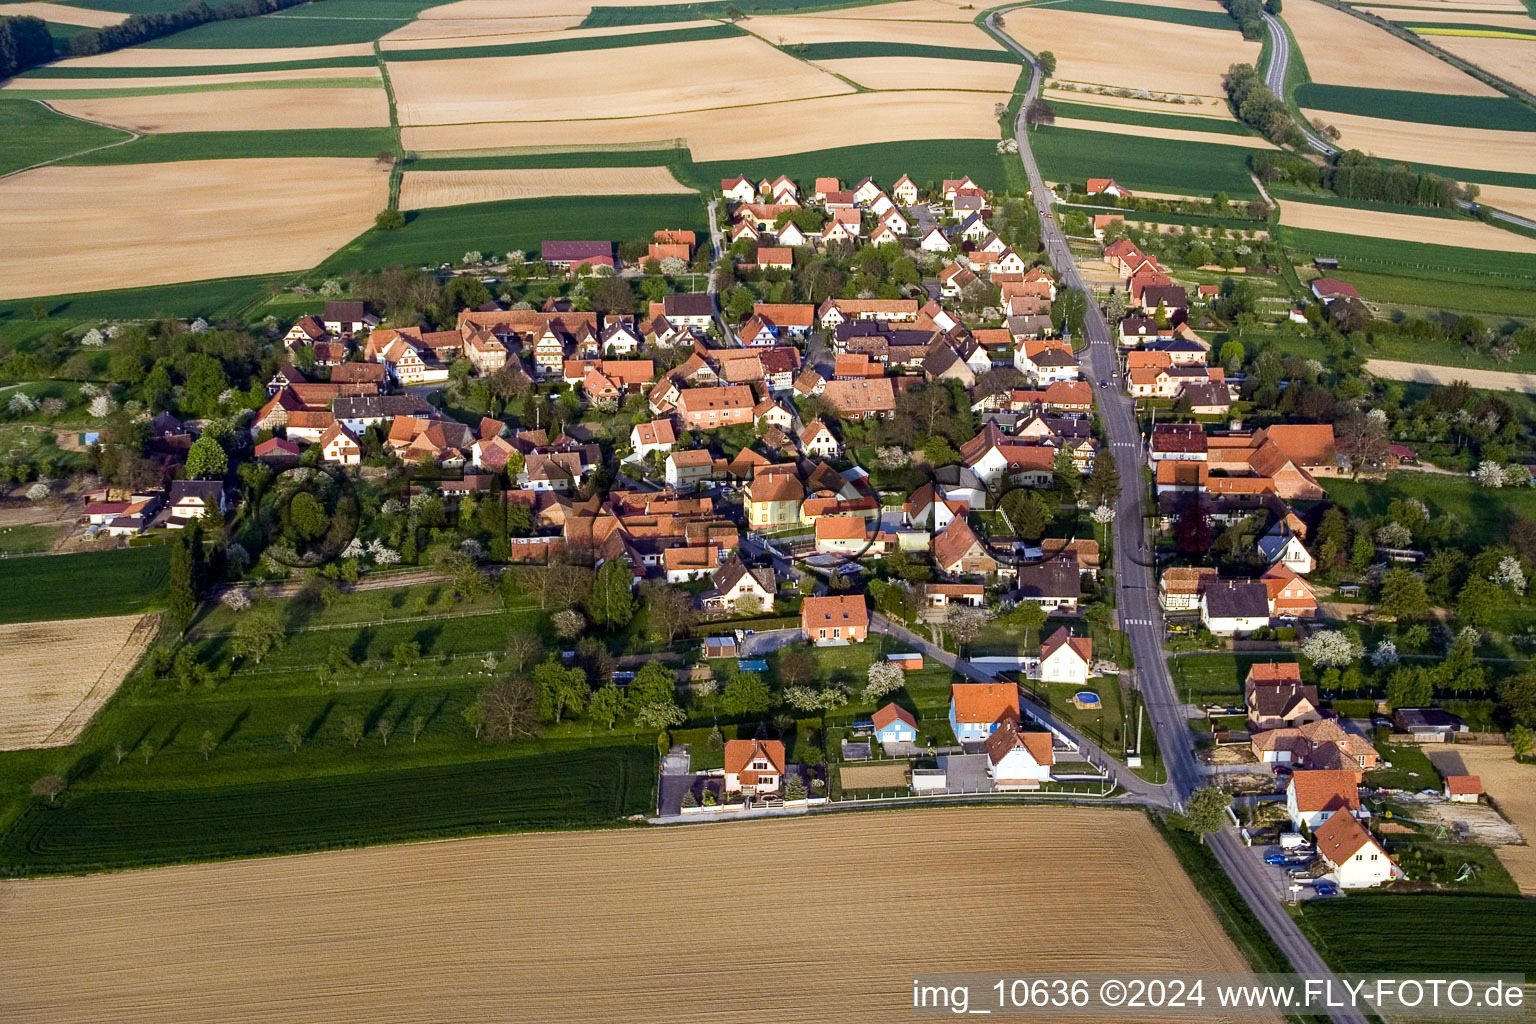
59, 674
1510, 59
1483, 380
1341, 49
1093, 48
1210, 107
801, 127
178, 221
497, 29
422, 189
904, 72
64, 15
477, 930
255, 110
1143, 131
65, 85
150, 57
1454, 17
848, 29
719, 73
1344, 220
506, 32
1511, 786
1481, 148
1520, 201
907, 10
873, 776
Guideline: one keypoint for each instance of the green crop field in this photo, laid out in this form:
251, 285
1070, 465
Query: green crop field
1519, 299
1157, 165
277, 144
74, 71
1376, 932
33, 133
838, 51
84, 585
1482, 511
1188, 219
1476, 31
106, 829
1151, 118
215, 299
127, 7
1412, 256
434, 236
604, 17
27, 540
1422, 107
925, 161
322, 23
1214, 18
685, 35
569, 158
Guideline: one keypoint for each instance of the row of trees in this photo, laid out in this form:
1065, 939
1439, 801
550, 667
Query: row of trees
1256, 106
24, 43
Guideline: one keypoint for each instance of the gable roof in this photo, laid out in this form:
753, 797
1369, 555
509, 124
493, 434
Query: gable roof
893, 713
1341, 837
1007, 738
1325, 790
1233, 599
984, 703
837, 610
740, 753
950, 546
1273, 673
1081, 646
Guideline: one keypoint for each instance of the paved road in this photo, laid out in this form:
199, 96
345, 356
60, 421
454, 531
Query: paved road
1135, 582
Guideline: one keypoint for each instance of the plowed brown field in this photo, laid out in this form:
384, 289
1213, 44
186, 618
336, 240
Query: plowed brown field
750, 922
1510, 785
57, 675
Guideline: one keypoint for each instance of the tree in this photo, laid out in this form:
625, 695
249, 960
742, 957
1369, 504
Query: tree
1522, 739
560, 690
965, 622
1403, 594
1030, 616
747, 694
1479, 602
257, 634
611, 602
607, 705
206, 459
1103, 484
653, 684
1039, 111
49, 786
613, 295
352, 729
884, 677
384, 727
1068, 310
508, 710
1517, 695
1205, 812
523, 645
183, 584
668, 611
1409, 688
660, 716
389, 220
306, 517
1329, 648
207, 744
294, 737
146, 750
796, 666
1047, 61
569, 624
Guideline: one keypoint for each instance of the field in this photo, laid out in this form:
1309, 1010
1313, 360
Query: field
799, 127
257, 110
1147, 131
1411, 258
83, 586
34, 133
504, 939
333, 22
146, 81
1520, 201
1091, 48
1431, 143
260, 216
1375, 932
274, 144
1431, 230
1483, 511
1111, 107
432, 236
1488, 380
899, 72
1512, 787
422, 189
59, 674
1158, 165
1341, 49
884, 161
61, 13
211, 59
1499, 112
1511, 59
544, 43
837, 31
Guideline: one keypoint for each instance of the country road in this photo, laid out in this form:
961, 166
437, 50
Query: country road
1140, 616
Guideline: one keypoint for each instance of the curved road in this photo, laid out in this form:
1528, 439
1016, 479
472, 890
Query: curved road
1135, 582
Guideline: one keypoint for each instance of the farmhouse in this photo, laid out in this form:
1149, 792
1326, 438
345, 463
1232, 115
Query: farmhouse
832, 621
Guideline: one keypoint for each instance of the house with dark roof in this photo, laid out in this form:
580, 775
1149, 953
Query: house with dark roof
1055, 584
1234, 607
569, 255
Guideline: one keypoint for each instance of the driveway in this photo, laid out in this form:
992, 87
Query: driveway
759, 644
966, 773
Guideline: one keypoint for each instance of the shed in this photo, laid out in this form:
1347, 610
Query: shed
908, 662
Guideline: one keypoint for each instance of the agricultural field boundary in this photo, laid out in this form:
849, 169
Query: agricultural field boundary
1493, 112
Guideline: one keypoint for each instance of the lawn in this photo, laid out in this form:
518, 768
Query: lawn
1500, 112
323, 23
1519, 299
27, 540
282, 143
1173, 15
441, 235
1156, 165
684, 35
88, 585
1444, 934
1150, 118
116, 828
1218, 678
1483, 511
215, 300
866, 48
924, 161
1411, 768
33, 133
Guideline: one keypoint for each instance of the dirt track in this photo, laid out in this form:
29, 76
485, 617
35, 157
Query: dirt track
751, 922
1484, 380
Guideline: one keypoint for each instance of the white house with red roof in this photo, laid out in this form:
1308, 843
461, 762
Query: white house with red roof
754, 767
1065, 658
1354, 857
1018, 759
1313, 796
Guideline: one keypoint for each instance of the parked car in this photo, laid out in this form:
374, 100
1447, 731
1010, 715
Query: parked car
1325, 888
1299, 874
1275, 857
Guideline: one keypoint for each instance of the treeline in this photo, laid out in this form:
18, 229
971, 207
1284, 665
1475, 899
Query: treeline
1259, 108
141, 28
1355, 175
24, 43
1249, 15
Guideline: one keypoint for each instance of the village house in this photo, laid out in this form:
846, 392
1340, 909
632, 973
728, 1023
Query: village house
895, 727
754, 767
348, 317
1055, 584
977, 709
1234, 607
339, 447
1018, 759
773, 500
1065, 658
818, 441
567, 256
715, 407
957, 551
942, 595
736, 588
840, 535
836, 620
690, 562
1355, 859
189, 500
655, 436
1312, 796
1180, 588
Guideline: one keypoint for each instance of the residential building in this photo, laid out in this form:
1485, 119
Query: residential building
977, 709
754, 767
655, 436
1234, 607
1353, 856
1018, 759
1180, 589
894, 725
713, 408
957, 551
736, 587
773, 501
836, 620
1312, 796
1065, 658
